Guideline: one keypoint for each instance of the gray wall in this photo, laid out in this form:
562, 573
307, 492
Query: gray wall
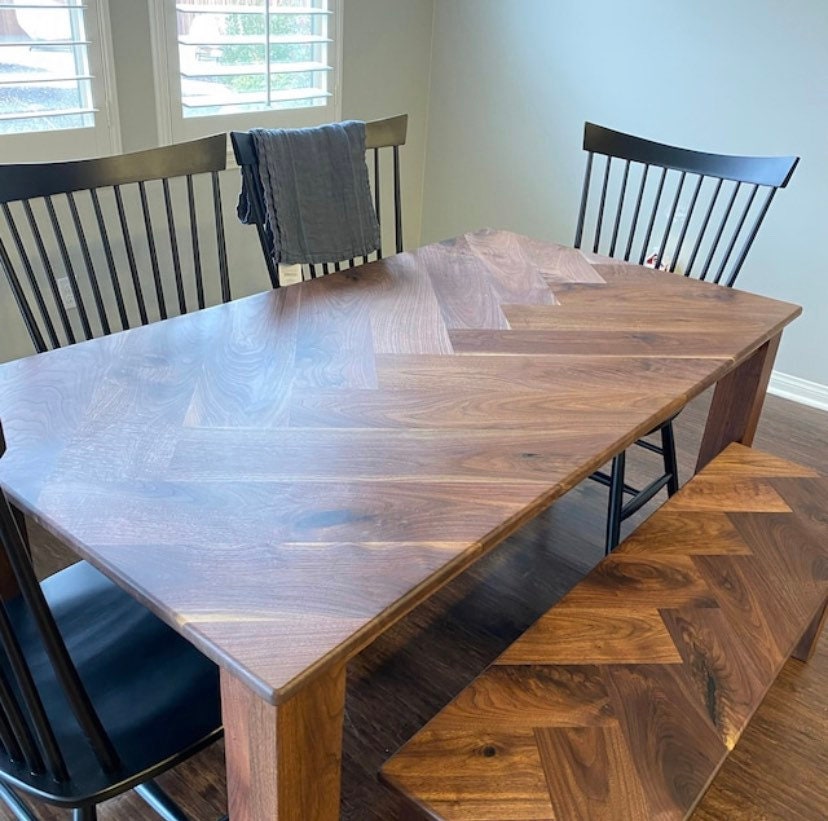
386, 67
512, 84
386, 58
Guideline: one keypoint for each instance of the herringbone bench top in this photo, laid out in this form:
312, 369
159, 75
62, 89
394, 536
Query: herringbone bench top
624, 699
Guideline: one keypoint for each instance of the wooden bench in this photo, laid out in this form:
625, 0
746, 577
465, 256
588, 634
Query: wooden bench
624, 699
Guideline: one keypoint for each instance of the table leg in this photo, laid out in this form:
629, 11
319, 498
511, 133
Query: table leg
807, 644
284, 762
737, 403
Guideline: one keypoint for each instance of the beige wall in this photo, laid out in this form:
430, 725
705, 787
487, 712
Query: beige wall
132, 55
512, 84
386, 57
386, 66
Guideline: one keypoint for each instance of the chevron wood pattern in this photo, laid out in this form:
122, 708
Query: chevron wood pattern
624, 699
282, 477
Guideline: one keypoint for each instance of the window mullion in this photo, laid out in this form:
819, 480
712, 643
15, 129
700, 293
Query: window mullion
79, 33
267, 54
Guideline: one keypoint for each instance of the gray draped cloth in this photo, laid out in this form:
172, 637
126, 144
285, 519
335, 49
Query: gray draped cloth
316, 193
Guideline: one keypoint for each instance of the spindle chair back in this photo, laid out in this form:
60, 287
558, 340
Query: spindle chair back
684, 210
95, 246
677, 210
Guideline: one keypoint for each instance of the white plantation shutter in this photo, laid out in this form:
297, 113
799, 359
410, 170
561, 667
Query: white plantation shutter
242, 63
52, 91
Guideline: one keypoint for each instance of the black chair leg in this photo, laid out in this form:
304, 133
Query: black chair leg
616, 503
19, 811
160, 802
85, 814
668, 446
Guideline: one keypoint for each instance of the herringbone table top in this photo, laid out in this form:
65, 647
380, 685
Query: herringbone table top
283, 476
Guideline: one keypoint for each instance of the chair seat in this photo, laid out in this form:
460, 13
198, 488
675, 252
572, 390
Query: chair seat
156, 695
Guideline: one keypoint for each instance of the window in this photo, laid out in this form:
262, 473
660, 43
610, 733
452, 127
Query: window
53, 90
236, 64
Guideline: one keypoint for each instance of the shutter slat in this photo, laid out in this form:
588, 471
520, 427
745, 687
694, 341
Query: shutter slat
184, 8
285, 95
33, 84
43, 43
43, 79
255, 40
33, 115
229, 55
255, 69
43, 6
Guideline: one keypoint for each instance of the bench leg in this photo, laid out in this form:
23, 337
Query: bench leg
807, 644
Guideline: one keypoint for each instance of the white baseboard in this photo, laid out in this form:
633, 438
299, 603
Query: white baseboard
799, 390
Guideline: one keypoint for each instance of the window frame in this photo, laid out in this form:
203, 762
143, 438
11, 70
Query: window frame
100, 139
174, 127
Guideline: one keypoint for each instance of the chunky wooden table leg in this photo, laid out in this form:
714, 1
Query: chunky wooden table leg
737, 403
284, 762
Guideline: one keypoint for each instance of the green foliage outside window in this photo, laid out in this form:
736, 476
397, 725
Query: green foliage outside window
254, 24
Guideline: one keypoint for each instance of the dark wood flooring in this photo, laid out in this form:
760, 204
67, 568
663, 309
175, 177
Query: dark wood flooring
777, 771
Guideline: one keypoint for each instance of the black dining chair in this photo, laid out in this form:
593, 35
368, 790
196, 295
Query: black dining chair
97, 695
681, 211
95, 246
381, 137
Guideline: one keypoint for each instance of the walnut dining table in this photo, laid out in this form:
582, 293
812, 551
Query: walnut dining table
282, 477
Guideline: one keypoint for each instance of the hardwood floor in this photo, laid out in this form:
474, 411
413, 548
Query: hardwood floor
776, 772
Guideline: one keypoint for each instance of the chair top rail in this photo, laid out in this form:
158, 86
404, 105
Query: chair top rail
770, 171
385, 133
30, 180
378, 134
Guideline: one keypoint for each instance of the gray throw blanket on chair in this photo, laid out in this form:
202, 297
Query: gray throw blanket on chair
316, 193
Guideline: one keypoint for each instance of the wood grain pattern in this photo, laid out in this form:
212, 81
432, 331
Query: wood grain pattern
580, 634
804, 651
674, 747
417, 666
737, 402
673, 648
596, 765
98, 439
284, 761
683, 534
722, 674
224, 439
714, 493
